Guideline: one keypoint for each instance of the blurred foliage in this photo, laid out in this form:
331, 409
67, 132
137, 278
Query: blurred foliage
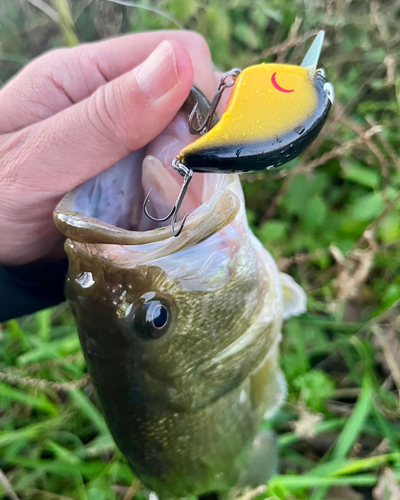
330, 218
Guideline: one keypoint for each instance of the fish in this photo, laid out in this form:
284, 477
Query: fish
180, 335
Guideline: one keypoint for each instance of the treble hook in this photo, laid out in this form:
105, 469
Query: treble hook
187, 175
233, 73
184, 171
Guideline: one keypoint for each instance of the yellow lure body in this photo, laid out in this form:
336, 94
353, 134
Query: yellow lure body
258, 110
274, 113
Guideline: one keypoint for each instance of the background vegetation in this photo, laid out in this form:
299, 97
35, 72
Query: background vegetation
331, 219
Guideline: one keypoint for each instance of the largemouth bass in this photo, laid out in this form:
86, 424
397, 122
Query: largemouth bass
181, 335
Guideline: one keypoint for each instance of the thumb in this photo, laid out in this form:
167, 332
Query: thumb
118, 118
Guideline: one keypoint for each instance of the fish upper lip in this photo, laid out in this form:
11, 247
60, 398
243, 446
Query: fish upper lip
130, 248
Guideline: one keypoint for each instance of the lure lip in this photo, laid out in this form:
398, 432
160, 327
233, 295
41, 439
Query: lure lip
310, 61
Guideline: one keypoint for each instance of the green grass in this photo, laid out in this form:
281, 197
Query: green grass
54, 443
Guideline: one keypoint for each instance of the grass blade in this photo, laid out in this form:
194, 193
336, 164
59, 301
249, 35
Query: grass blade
351, 430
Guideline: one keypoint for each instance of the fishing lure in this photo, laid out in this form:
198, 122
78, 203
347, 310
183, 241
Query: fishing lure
274, 113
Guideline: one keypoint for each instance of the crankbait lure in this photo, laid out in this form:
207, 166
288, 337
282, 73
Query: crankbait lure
274, 113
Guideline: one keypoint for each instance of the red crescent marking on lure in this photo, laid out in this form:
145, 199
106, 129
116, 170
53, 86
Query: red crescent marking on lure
278, 87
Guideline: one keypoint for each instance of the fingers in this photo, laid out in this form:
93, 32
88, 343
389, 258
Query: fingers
64, 77
88, 137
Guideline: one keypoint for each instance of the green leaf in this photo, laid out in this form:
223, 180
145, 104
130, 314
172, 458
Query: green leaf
353, 466
44, 324
295, 481
355, 171
91, 412
389, 228
30, 432
181, 10
38, 402
89, 469
367, 207
246, 34
316, 387
218, 22
272, 230
273, 13
356, 421
351, 430
96, 494
297, 195
315, 212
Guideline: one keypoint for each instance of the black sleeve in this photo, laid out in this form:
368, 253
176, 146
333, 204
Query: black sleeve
28, 288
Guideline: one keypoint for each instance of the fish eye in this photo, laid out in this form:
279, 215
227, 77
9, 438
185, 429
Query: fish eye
159, 316
152, 319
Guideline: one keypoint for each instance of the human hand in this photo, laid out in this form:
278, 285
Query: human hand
73, 113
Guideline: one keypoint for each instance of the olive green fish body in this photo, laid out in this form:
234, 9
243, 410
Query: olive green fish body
184, 407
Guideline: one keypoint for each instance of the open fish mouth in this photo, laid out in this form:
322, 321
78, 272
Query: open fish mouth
108, 209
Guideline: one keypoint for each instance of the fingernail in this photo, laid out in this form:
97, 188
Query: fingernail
158, 74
